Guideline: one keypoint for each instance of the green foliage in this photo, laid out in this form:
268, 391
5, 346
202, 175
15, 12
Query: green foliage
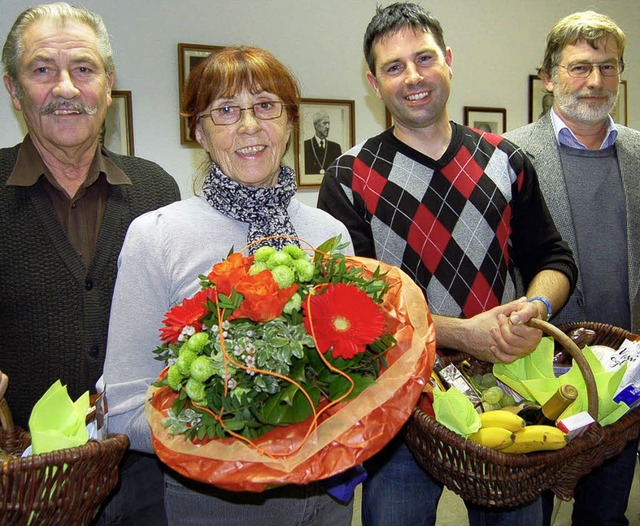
223, 373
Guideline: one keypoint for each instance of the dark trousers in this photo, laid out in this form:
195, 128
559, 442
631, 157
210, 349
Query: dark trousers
601, 497
139, 498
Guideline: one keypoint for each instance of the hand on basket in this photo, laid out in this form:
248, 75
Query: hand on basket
4, 383
497, 335
513, 337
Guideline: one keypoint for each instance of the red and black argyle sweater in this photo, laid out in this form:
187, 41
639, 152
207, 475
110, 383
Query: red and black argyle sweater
458, 226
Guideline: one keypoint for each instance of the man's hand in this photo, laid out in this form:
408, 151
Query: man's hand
513, 338
497, 335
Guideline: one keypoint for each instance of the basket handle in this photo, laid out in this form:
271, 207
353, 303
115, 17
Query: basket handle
6, 419
576, 354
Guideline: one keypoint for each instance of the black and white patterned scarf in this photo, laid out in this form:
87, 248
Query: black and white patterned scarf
265, 209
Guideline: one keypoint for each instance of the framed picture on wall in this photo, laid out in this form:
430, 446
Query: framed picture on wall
117, 131
326, 130
189, 56
540, 100
492, 120
619, 112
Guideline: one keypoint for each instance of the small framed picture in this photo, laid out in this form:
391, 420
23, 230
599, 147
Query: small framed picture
492, 120
326, 130
619, 112
116, 134
540, 100
189, 56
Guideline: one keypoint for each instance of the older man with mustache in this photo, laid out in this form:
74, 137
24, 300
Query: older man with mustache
588, 169
65, 205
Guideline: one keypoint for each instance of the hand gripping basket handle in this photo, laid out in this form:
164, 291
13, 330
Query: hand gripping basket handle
576, 354
5, 413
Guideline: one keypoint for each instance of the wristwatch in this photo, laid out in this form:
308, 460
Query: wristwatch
546, 302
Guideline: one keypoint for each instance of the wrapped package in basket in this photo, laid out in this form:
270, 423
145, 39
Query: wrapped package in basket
359, 345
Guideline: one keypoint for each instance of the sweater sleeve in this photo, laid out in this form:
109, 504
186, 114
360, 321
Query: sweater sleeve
337, 198
537, 244
140, 300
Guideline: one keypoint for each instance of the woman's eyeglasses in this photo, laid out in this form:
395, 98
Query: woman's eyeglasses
226, 115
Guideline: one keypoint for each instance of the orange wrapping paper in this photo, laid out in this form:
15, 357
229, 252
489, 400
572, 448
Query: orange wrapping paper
347, 435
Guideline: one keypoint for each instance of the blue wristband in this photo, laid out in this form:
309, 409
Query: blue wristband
546, 302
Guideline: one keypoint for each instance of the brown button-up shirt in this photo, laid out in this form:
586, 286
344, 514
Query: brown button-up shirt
80, 215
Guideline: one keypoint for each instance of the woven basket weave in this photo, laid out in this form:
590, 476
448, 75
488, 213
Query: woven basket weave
490, 478
64, 487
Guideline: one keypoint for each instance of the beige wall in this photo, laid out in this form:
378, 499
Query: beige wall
496, 45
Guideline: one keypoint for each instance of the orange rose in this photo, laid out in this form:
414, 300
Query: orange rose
230, 272
263, 299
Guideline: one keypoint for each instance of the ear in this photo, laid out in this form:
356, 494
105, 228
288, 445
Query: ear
373, 81
546, 82
448, 59
200, 137
12, 88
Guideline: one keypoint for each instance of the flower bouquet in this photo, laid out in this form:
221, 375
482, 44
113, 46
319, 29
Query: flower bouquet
288, 366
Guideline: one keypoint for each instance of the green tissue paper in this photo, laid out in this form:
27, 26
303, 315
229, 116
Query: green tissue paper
456, 412
57, 422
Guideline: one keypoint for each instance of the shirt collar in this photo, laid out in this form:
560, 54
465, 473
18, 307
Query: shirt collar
30, 167
566, 137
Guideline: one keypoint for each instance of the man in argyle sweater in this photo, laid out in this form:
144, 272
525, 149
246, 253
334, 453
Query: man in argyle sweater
459, 210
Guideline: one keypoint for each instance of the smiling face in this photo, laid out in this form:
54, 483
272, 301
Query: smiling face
585, 100
413, 77
62, 88
251, 150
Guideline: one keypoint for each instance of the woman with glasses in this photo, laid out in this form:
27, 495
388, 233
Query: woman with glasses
241, 104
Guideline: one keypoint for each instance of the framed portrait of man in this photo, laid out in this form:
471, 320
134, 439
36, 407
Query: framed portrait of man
326, 130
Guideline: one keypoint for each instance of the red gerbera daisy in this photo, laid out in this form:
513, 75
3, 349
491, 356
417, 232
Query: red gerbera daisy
188, 313
345, 319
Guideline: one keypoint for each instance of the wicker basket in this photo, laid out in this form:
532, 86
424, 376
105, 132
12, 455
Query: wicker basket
490, 478
62, 487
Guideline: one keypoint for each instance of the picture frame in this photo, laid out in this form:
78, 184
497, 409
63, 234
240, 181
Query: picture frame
312, 160
540, 100
492, 120
189, 56
619, 112
117, 131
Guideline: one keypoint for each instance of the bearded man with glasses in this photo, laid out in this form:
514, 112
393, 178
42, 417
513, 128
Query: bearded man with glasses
588, 170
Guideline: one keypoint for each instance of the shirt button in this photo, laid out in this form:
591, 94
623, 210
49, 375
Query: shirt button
94, 350
88, 284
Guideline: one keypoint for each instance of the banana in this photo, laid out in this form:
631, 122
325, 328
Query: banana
502, 418
537, 438
493, 437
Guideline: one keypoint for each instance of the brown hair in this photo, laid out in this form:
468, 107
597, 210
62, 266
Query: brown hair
232, 70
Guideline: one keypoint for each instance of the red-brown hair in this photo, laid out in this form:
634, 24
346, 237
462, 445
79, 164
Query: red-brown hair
234, 69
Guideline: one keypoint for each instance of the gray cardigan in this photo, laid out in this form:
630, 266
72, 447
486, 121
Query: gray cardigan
538, 140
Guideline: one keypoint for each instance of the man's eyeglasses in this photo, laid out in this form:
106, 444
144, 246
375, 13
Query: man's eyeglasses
226, 115
583, 69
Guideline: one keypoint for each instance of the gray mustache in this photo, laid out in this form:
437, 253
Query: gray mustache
75, 106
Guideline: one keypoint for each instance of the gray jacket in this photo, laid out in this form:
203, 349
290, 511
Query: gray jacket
538, 140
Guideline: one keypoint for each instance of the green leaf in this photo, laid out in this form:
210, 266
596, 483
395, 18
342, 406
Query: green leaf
339, 386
